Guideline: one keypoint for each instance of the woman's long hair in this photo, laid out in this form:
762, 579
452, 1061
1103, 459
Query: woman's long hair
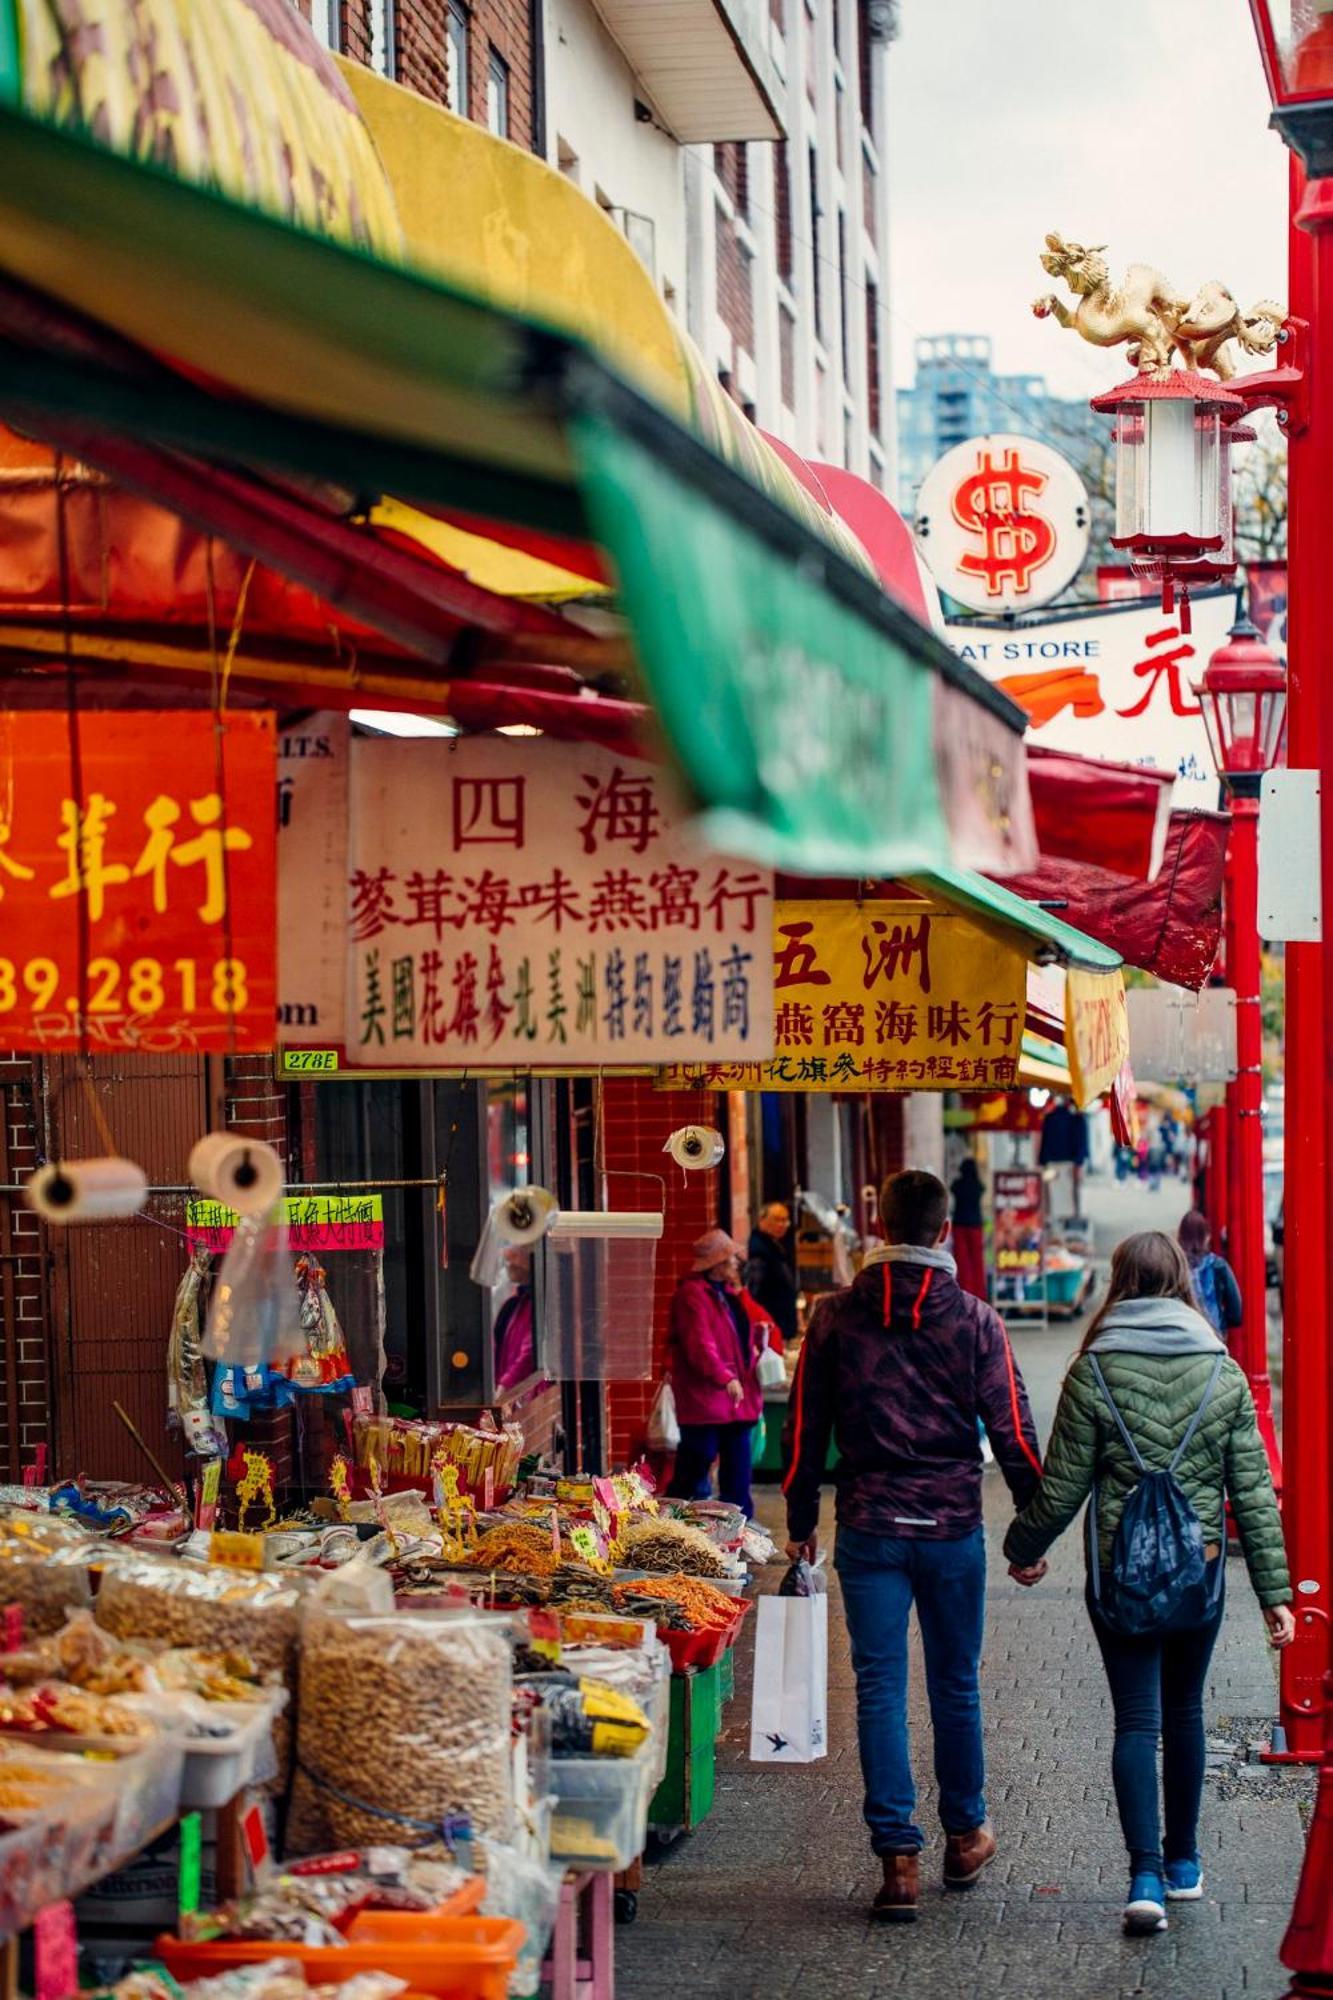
1195, 1234
1150, 1265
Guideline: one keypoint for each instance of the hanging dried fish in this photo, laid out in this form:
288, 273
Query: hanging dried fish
187, 1377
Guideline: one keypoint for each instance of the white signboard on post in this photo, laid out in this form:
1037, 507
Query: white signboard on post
1113, 683
1182, 1037
312, 879
523, 902
1290, 874
1003, 523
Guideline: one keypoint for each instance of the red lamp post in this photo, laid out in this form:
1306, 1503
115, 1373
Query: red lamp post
1296, 45
1244, 698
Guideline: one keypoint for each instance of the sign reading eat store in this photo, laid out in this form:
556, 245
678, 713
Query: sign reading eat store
137, 877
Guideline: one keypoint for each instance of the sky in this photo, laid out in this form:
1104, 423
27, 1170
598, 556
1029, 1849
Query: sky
1141, 124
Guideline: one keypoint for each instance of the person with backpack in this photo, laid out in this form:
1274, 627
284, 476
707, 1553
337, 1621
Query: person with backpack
1155, 1427
897, 1369
1215, 1287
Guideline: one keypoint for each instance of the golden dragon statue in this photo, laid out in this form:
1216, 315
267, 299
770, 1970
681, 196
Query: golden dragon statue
1146, 313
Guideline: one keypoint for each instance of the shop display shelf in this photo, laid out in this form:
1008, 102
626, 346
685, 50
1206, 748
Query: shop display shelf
601, 1808
689, 1650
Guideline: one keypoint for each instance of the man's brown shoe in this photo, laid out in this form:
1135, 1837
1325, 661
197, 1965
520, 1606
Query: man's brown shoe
966, 1854
897, 1900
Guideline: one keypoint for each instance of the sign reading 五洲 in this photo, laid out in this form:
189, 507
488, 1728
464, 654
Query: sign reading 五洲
1003, 523
314, 1222
883, 996
1096, 1031
539, 904
137, 882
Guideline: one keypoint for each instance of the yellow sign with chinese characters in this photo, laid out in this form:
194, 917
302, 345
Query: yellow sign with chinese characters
883, 996
1096, 1031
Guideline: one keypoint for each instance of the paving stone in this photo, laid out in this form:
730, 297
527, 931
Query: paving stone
769, 1897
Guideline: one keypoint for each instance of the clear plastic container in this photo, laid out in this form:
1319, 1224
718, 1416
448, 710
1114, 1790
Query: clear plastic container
601, 1809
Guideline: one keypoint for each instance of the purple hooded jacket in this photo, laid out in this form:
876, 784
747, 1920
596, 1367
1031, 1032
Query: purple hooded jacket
704, 1354
897, 1369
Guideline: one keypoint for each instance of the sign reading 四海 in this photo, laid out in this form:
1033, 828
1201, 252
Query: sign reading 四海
314, 1222
534, 903
883, 996
1003, 523
137, 882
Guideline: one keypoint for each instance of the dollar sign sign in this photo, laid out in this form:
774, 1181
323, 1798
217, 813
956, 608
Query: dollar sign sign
995, 504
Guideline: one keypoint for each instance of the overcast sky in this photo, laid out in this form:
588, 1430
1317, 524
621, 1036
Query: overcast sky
1141, 124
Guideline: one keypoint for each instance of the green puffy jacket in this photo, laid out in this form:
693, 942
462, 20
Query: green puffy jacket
1157, 1394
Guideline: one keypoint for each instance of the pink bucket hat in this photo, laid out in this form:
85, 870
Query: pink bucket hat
714, 1247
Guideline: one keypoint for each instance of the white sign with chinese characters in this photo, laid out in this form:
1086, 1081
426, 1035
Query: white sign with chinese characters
1115, 684
312, 876
522, 902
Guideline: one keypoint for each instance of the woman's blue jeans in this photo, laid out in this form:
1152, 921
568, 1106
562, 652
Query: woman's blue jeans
882, 1576
1157, 1690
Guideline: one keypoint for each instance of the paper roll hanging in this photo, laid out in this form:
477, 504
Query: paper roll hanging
522, 1218
243, 1174
695, 1146
87, 1190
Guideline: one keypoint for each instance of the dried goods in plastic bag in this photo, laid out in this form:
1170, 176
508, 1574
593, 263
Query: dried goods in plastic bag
254, 1317
404, 1724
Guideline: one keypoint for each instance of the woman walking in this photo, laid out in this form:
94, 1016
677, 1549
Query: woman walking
715, 1337
1153, 1391
968, 1242
1216, 1292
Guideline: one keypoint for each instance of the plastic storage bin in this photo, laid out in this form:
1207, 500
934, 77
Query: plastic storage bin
601, 1808
452, 1958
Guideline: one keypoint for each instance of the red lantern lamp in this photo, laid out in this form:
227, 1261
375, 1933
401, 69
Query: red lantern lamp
1173, 438
1296, 43
1244, 698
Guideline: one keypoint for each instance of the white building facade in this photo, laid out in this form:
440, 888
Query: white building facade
742, 154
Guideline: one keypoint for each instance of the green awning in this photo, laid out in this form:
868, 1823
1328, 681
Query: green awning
1045, 938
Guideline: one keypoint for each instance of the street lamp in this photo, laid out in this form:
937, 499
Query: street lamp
1173, 514
1296, 46
1243, 695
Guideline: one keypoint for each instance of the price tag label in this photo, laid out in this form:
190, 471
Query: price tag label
254, 1832
206, 1505
585, 1541
234, 1550
604, 1490
192, 1864
55, 1953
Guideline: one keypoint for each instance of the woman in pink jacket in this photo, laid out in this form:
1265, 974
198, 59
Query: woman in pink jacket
713, 1349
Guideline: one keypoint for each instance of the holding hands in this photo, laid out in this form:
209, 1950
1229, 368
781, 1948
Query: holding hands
1032, 1573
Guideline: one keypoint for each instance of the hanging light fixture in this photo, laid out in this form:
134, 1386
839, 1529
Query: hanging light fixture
1244, 698
1173, 512
1296, 43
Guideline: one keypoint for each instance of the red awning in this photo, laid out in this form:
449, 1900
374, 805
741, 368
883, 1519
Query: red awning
1169, 926
1111, 816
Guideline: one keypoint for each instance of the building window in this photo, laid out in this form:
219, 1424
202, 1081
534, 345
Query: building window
325, 19
844, 324
731, 164
816, 284
839, 118
866, 65
869, 197
380, 15
872, 356
497, 95
787, 357
782, 210
456, 58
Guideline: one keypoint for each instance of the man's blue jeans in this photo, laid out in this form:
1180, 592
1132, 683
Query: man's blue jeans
881, 1577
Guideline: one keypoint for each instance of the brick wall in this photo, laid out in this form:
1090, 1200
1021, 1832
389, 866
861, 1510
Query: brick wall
23, 1333
638, 1121
420, 48
735, 286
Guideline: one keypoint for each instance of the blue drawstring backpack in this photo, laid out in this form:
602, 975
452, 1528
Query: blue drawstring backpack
1158, 1580
1207, 1290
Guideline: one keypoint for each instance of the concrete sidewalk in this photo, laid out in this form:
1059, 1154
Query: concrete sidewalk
769, 1897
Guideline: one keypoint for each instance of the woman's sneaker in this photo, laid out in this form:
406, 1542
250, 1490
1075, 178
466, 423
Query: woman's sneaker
1146, 1909
1184, 1881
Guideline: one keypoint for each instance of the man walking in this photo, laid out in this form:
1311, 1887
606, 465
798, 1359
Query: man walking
768, 1273
898, 1368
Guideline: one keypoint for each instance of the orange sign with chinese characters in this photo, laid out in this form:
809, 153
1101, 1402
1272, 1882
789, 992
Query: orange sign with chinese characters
137, 882
882, 996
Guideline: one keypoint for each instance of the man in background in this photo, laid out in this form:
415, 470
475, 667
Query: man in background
768, 1271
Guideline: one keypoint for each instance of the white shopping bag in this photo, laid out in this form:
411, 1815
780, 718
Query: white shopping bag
789, 1713
663, 1424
